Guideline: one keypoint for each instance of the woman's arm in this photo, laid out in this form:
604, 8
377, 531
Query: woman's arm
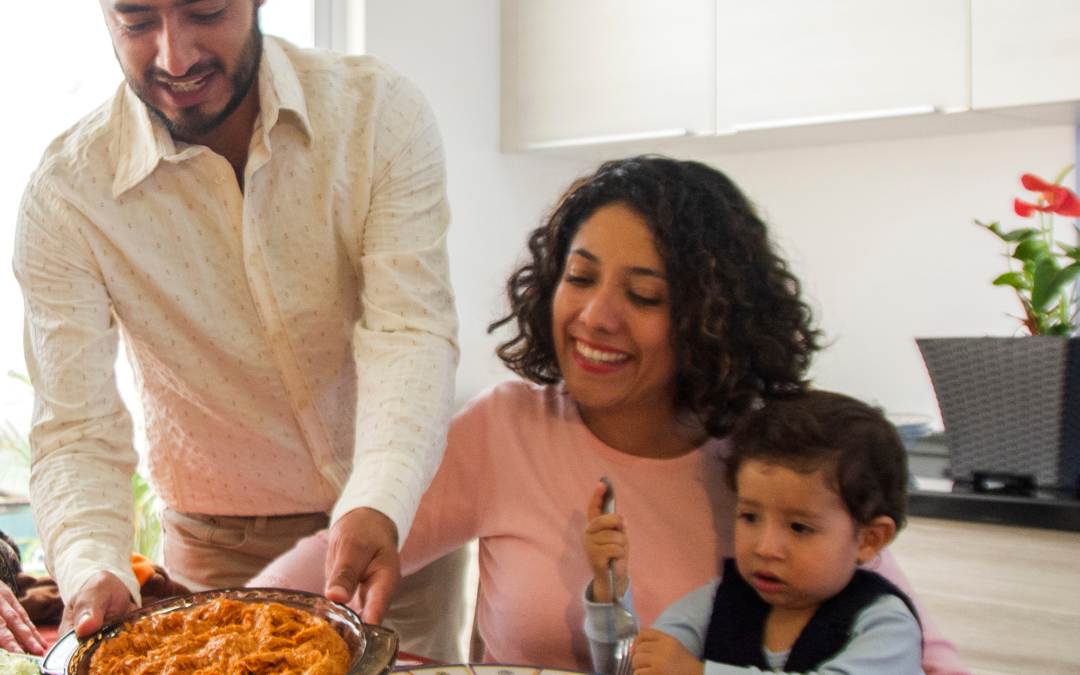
446, 519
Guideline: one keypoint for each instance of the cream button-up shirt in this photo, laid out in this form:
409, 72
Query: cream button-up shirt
294, 343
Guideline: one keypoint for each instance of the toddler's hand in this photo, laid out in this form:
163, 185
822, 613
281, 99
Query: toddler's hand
604, 539
657, 653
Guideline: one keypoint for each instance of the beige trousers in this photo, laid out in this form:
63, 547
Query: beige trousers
204, 552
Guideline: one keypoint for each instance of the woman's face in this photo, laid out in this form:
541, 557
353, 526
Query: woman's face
611, 317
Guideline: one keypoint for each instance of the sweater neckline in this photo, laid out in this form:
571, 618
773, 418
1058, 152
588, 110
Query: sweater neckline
712, 446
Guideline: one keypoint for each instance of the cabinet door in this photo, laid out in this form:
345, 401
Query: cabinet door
791, 61
1024, 52
579, 69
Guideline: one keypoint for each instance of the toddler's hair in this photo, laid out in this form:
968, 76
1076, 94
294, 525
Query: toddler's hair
863, 456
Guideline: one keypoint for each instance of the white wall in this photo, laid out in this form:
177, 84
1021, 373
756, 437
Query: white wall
880, 233
451, 50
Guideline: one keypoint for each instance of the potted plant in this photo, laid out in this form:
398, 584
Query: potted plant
1011, 406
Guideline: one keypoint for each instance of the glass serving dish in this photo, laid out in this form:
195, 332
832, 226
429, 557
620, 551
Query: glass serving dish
373, 648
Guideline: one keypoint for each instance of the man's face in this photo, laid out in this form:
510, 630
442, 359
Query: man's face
191, 62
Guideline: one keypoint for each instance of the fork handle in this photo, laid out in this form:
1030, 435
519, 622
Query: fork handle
611, 581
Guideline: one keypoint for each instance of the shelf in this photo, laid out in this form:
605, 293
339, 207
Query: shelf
1044, 512
939, 497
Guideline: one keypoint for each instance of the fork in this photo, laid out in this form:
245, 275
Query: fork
625, 625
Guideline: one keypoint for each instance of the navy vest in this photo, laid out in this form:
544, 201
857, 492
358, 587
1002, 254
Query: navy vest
737, 628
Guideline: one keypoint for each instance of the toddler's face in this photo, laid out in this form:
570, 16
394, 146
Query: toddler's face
795, 541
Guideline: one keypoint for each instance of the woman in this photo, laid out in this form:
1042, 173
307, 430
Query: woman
653, 312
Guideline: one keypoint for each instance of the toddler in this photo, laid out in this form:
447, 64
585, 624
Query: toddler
820, 480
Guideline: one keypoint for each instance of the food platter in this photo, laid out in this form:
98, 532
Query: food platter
373, 649
481, 669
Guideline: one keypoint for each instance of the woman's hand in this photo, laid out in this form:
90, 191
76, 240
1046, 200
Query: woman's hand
605, 538
17, 633
657, 653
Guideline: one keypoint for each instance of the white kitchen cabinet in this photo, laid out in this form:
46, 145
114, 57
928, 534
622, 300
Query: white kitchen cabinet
786, 62
1024, 53
575, 70
616, 77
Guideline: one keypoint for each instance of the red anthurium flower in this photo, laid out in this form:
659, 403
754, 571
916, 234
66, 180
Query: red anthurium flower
1054, 198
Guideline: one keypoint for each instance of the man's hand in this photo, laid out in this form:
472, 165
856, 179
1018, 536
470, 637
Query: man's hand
363, 559
657, 653
102, 597
17, 633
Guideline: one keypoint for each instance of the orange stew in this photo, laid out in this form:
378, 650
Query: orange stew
226, 637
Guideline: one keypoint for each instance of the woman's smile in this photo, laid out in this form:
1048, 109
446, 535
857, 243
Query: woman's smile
611, 317
597, 358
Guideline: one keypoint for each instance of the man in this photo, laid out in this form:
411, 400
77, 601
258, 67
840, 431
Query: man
267, 226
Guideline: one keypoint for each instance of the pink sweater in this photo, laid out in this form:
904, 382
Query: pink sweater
519, 469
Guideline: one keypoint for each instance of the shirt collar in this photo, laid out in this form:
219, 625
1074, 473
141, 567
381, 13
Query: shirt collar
145, 141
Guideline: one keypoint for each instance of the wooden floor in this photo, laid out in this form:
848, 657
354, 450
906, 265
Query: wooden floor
1008, 597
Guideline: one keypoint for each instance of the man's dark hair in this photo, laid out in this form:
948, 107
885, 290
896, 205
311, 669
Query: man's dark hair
739, 328
861, 451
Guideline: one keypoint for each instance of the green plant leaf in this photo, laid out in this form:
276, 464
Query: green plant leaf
1015, 279
147, 520
1062, 329
1070, 251
1031, 249
1064, 277
1019, 234
1046, 284
20, 377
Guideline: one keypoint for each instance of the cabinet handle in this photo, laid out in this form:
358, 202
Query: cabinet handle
836, 117
612, 138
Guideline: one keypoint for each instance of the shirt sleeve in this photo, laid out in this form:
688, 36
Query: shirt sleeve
406, 341
687, 619
600, 627
82, 456
884, 641
448, 517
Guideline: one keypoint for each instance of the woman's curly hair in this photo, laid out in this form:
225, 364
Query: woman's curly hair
739, 329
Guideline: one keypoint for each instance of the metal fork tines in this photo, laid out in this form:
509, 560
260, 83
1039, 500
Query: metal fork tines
625, 628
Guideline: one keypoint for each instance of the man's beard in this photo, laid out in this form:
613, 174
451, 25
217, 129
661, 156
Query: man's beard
191, 123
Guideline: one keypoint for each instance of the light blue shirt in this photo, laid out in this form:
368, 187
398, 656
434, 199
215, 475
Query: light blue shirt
885, 640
